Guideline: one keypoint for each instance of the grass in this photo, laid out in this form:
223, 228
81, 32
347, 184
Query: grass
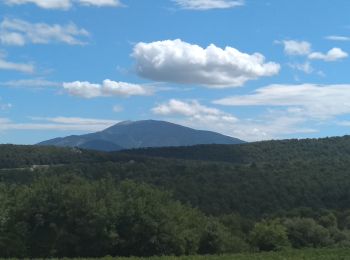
322, 254
309, 254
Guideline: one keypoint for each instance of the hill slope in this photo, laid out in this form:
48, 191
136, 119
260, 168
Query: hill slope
252, 179
278, 151
146, 133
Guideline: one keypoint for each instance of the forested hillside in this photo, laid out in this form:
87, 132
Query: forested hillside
258, 152
221, 199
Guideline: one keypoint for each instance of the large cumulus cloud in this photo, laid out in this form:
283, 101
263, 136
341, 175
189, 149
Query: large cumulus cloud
181, 62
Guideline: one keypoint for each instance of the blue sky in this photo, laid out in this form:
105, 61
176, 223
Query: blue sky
252, 69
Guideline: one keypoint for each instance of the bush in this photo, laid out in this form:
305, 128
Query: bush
305, 232
269, 236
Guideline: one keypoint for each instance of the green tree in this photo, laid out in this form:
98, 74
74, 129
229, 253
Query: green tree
152, 223
269, 235
217, 239
305, 232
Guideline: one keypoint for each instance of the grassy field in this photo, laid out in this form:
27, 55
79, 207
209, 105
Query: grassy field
322, 254
330, 254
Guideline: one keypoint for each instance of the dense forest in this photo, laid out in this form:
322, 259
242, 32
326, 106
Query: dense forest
206, 199
279, 151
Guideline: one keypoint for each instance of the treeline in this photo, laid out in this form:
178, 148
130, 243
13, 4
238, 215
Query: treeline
253, 190
21, 156
69, 216
279, 151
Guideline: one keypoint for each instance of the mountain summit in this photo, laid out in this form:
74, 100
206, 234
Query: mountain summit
139, 134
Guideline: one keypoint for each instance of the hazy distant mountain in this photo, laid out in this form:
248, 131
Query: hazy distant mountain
139, 134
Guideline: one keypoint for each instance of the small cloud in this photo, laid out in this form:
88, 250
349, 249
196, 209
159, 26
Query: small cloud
5, 106
108, 88
194, 110
20, 67
117, 108
332, 55
296, 48
304, 67
338, 38
202, 5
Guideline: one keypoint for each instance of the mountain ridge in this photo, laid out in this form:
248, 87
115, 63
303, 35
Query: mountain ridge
142, 134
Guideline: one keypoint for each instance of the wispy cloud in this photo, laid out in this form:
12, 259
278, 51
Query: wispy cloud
194, 110
304, 67
308, 100
16, 66
117, 108
19, 32
64, 4
338, 38
271, 125
4, 106
58, 124
30, 83
208, 4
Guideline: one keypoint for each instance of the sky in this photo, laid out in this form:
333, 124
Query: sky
251, 69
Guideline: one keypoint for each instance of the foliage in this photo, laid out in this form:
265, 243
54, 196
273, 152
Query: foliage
269, 236
66, 202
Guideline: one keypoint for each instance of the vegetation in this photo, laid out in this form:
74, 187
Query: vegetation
278, 195
305, 254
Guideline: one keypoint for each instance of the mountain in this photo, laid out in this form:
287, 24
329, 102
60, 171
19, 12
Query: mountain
140, 134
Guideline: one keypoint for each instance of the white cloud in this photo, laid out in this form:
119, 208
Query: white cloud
100, 3
194, 110
64, 4
19, 32
307, 100
76, 120
86, 89
117, 108
269, 126
180, 62
272, 125
344, 123
83, 89
21, 67
292, 47
338, 38
30, 83
47, 4
4, 106
58, 124
303, 48
304, 67
4, 121
208, 4
332, 55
